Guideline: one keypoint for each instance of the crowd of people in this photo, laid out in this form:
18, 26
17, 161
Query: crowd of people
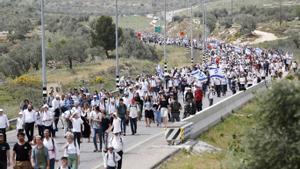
155, 99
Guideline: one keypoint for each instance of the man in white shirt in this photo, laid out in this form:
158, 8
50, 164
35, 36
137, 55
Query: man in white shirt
95, 101
29, 117
47, 119
111, 158
76, 123
117, 143
4, 123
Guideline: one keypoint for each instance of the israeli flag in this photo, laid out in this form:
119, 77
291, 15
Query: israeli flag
258, 51
199, 75
216, 73
247, 51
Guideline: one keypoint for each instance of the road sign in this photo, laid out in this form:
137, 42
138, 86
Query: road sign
157, 29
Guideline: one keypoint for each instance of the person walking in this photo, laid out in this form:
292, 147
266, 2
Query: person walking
21, 153
210, 95
117, 143
76, 123
198, 98
4, 123
51, 144
39, 121
72, 151
175, 107
47, 119
148, 110
122, 114
39, 155
20, 123
56, 106
133, 115
4, 153
111, 158
164, 109
29, 116
85, 115
96, 119
105, 125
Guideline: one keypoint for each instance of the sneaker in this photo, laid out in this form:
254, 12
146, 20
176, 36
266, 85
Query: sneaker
95, 151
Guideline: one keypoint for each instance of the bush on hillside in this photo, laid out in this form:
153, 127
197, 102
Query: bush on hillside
227, 22
135, 48
247, 22
26, 80
274, 142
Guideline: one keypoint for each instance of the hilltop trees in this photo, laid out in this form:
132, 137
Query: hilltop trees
103, 34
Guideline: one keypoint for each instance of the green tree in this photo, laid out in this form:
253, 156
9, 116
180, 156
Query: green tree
211, 22
247, 22
103, 34
69, 50
274, 143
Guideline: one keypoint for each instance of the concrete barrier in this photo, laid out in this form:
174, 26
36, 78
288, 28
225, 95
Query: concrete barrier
210, 116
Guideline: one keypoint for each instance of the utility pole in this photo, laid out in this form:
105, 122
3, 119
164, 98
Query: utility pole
165, 39
117, 47
44, 79
204, 23
280, 12
191, 31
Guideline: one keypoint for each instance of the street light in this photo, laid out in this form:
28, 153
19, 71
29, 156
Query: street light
43, 53
117, 48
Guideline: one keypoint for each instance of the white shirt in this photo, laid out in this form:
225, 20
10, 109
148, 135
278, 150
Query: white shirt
109, 160
95, 103
133, 111
117, 143
29, 117
117, 125
77, 124
20, 123
55, 104
47, 118
4, 123
72, 149
39, 117
66, 114
52, 148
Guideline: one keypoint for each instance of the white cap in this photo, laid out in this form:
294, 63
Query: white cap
20, 112
45, 106
57, 95
1, 110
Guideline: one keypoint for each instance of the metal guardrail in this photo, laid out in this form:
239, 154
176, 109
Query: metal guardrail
178, 132
210, 116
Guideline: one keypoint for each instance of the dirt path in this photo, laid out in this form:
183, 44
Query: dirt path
263, 37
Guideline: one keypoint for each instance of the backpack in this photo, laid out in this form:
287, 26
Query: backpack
198, 95
175, 107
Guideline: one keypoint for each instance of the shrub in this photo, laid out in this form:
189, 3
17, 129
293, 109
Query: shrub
28, 81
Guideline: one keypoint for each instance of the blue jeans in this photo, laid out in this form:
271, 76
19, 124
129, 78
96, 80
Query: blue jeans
157, 117
100, 135
123, 125
52, 163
